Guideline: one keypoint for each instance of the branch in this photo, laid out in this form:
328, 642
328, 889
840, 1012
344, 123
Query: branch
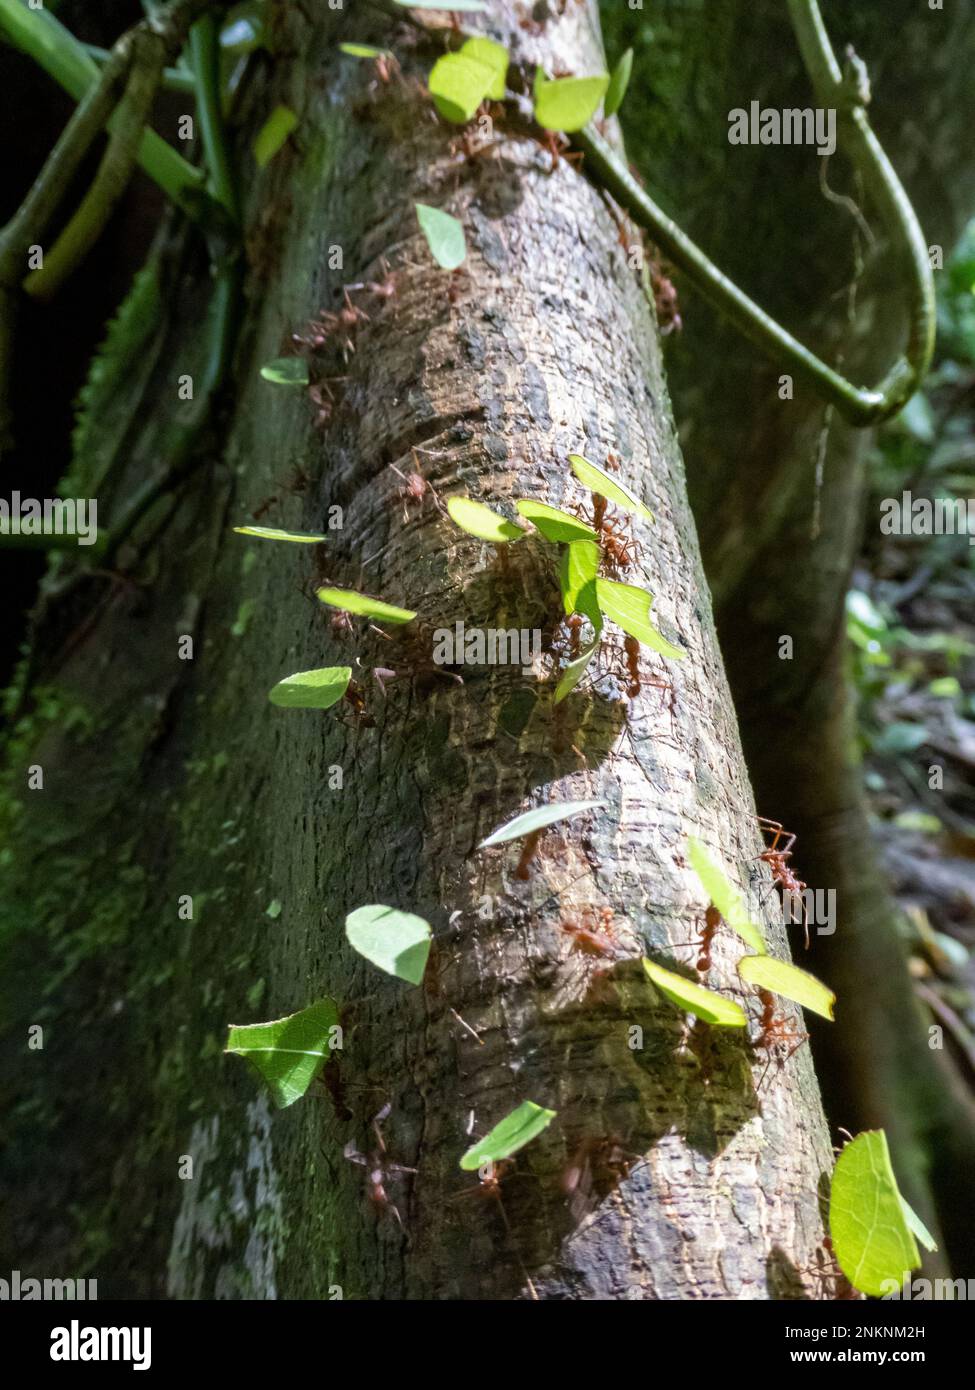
113, 175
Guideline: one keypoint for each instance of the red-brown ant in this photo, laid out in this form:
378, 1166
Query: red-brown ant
593, 941
631, 648
712, 921
665, 299
379, 289
528, 851
595, 1168
416, 488
778, 861
490, 1176
379, 1169
355, 698
776, 1031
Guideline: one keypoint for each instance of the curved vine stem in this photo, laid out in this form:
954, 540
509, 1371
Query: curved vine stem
859, 406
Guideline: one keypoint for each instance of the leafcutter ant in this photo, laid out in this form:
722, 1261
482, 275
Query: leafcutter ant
593, 941
528, 851
416, 488
379, 289
379, 1170
778, 861
775, 1033
631, 647
712, 921
665, 299
596, 1167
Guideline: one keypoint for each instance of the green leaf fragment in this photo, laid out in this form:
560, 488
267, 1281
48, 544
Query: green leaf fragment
363, 50
630, 607
618, 84
574, 672
568, 103
481, 521
397, 942
705, 1004
492, 55
271, 533
312, 689
597, 480
459, 82
530, 821
555, 525
273, 134
872, 1240
578, 568
725, 897
286, 371
287, 1053
444, 234
781, 977
364, 606
508, 1136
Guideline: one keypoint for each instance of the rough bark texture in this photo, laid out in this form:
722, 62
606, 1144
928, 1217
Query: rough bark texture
166, 777
752, 465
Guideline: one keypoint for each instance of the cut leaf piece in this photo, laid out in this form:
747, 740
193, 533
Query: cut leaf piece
271, 533
286, 371
598, 480
478, 520
618, 84
397, 942
871, 1238
364, 606
574, 672
630, 607
578, 569
509, 1135
444, 234
273, 134
458, 84
917, 1227
492, 55
312, 689
568, 103
542, 816
724, 896
765, 972
703, 1003
363, 50
554, 525
289, 1052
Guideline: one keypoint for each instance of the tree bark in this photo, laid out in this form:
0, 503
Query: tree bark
779, 549
165, 777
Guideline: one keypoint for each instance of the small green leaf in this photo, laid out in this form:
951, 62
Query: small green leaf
458, 84
872, 1240
273, 134
568, 103
312, 689
765, 972
271, 533
724, 896
286, 371
492, 55
618, 84
273, 909
364, 606
397, 942
705, 1004
917, 1226
630, 607
554, 524
363, 50
542, 816
289, 1052
444, 234
574, 672
598, 480
578, 568
508, 1136
478, 520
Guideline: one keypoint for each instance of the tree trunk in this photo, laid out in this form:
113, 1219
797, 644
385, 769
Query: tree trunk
779, 549
165, 777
